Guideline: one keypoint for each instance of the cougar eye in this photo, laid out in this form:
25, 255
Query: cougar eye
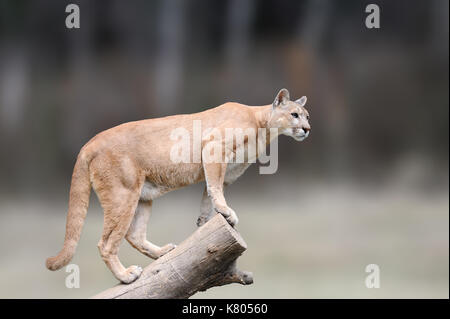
294, 115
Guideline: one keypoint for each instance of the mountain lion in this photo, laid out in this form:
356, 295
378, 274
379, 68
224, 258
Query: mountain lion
130, 165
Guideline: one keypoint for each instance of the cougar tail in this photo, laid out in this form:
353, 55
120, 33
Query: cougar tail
80, 190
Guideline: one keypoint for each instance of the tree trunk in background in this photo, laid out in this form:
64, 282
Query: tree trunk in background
168, 69
312, 33
78, 94
237, 42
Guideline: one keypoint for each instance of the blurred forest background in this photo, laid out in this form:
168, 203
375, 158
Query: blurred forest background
369, 185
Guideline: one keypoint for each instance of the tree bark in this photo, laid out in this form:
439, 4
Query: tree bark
204, 260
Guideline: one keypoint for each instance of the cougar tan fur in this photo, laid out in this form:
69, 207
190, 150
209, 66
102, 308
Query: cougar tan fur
129, 166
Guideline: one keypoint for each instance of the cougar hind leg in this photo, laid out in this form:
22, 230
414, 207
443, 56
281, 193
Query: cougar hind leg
118, 190
118, 216
137, 233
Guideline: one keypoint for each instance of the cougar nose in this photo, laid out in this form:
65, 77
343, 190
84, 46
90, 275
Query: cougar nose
306, 129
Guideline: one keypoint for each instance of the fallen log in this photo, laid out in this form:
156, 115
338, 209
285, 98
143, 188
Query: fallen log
205, 259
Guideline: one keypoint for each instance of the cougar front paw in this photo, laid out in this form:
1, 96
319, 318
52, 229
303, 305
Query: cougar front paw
232, 220
229, 215
130, 274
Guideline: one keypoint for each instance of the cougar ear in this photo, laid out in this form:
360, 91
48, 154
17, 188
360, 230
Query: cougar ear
281, 98
302, 100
